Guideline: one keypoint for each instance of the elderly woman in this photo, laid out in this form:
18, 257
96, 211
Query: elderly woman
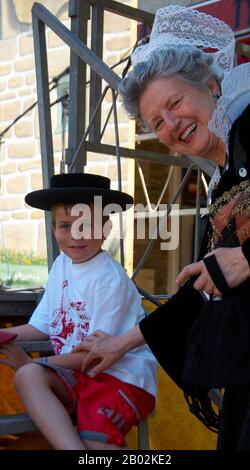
184, 89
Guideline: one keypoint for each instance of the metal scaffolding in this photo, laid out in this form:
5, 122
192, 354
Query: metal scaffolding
82, 137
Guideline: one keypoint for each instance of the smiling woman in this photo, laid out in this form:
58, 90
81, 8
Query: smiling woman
178, 119
184, 88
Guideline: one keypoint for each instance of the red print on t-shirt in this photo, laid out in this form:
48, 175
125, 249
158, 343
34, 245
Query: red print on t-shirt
70, 323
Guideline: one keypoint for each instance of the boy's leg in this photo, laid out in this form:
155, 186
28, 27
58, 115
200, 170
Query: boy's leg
45, 396
97, 445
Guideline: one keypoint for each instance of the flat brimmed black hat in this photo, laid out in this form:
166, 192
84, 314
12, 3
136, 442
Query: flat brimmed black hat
76, 188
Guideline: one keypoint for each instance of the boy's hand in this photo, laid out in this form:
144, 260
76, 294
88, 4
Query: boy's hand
15, 357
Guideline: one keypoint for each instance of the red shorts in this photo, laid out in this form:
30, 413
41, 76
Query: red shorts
106, 407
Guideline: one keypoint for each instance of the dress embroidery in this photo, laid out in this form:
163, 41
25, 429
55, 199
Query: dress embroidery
230, 216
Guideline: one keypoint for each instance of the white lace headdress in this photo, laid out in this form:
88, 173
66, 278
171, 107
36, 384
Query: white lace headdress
235, 97
178, 25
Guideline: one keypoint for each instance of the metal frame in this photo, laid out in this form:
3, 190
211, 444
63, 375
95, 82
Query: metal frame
81, 55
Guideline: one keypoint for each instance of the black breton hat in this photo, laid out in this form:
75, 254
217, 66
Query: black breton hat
78, 188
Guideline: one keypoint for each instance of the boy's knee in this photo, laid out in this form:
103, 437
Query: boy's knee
25, 373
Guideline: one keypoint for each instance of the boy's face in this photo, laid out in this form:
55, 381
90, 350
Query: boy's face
79, 250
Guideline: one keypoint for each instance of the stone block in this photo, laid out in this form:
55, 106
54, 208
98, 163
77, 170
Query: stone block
27, 103
36, 181
18, 184
26, 149
7, 133
2, 85
37, 214
23, 9
7, 168
25, 91
23, 128
11, 203
27, 165
4, 217
30, 78
9, 111
19, 238
16, 81
53, 40
58, 60
8, 96
8, 50
26, 45
24, 65
20, 215
5, 69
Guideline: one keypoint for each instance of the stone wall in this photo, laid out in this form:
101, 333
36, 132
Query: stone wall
22, 228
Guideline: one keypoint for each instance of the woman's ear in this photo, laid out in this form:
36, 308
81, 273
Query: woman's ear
213, 87
107, 227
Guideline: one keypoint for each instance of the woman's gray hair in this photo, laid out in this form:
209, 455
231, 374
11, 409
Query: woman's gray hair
190, 64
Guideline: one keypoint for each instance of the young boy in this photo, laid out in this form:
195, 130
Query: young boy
86, 290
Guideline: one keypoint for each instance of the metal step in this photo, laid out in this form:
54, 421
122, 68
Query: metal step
16, 424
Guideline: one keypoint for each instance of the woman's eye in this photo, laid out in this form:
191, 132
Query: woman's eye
174, 104
158, 126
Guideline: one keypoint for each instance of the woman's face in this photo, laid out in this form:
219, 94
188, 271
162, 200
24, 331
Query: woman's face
178, 113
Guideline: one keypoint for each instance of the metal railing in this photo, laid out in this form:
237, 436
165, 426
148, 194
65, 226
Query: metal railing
81, 56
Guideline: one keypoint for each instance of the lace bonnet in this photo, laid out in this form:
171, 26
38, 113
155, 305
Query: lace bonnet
178, 25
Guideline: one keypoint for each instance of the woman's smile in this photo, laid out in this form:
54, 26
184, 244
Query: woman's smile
188, 133
172, 108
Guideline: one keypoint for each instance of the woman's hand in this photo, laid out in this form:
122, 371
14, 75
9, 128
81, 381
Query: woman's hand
103, 350
15, 356
233, 265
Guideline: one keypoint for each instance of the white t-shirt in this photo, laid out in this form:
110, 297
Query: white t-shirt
94, 295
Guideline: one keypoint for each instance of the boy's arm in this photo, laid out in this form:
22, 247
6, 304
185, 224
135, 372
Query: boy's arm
15, 357
27, 333
11, 353
67, 360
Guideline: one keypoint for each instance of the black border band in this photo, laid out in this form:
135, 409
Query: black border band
216, 273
